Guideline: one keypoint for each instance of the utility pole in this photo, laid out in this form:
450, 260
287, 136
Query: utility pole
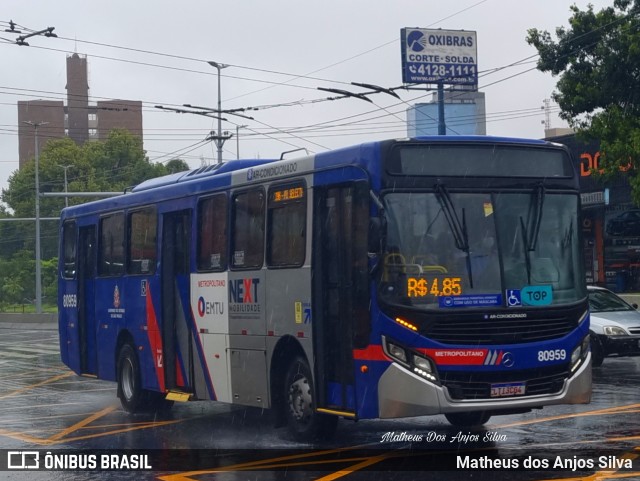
220, 138
442, 124
547, 114
66, 198
35, 125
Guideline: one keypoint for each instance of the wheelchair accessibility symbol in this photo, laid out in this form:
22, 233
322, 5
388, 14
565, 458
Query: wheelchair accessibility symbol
514, 298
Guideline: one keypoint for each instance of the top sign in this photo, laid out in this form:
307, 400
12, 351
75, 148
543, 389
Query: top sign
439, 56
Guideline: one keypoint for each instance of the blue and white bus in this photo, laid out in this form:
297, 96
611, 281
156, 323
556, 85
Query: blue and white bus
435, 275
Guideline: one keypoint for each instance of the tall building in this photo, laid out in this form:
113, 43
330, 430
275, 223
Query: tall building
48, 115
77, 99
78, 120
464, 114
112, 114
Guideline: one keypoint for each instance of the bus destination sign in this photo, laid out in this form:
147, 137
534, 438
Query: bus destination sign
439, 56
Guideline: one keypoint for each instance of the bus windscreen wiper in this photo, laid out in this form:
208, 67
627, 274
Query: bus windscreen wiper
458, 229
530, 238
537, 218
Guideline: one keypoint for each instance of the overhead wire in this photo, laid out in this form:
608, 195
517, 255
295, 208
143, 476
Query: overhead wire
519, 62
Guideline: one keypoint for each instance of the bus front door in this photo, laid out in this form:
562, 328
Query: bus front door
339, 262
176, 336
86, 292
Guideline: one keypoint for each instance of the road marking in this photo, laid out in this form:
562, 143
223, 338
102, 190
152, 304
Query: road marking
154, 424
598, 412
82, 423
38, 384
355, 467
274, 463
269, 463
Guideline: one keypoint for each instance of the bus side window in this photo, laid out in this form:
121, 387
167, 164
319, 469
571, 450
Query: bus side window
142, 257
69, 250
286, 227
247, 245
212, 233
111, 247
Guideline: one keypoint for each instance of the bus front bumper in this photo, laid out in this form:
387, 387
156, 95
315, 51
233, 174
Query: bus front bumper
402, 393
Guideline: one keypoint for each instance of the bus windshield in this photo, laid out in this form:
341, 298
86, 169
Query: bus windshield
466, 249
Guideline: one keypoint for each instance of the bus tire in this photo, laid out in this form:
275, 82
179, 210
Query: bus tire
470, 419
303, 422
132, 396
597, 351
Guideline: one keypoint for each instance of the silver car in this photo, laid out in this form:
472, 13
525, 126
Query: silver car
615, 326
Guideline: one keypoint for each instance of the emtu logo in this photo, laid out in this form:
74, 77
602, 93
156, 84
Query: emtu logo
209, 308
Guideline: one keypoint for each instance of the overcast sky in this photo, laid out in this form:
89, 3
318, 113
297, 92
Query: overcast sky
278, 52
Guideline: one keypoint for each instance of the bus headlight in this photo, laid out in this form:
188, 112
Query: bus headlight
422, 363
576, 355
579, 353
423, 367
411, 360
397, 352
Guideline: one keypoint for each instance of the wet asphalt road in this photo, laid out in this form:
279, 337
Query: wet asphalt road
49, 409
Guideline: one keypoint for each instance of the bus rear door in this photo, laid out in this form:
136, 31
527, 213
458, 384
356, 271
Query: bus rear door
177, 340
86, 293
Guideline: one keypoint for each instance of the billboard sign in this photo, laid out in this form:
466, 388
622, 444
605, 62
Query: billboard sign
439, 56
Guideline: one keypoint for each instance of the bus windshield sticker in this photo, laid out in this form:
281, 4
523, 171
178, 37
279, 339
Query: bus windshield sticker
298, 312
537, 295
514, 297
488, 209
477, 300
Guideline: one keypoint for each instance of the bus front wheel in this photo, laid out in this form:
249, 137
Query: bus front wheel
465, 420
597, 351
304, 423
130, 389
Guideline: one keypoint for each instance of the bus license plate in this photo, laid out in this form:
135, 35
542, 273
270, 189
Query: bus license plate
507, 389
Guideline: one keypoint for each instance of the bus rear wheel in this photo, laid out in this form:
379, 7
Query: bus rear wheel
133, 398
304, 423
130, 392
465, 420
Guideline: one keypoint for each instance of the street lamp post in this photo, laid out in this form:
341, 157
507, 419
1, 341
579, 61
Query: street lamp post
219, 139
35, 126
238, 127
65, 167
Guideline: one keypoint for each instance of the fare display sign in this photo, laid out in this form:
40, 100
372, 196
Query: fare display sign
439, 56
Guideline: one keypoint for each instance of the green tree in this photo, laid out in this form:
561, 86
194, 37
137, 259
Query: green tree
113, 165
597, 59
120, 162
176, 165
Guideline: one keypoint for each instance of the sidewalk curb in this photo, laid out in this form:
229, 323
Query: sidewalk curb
35, 326
47, 321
